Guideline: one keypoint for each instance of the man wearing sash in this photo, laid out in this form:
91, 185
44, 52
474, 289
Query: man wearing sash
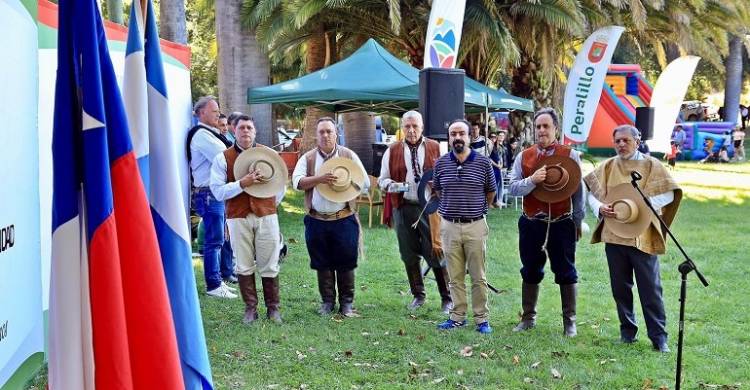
332, 230
252, 221
634, 252
405, 162
547, 230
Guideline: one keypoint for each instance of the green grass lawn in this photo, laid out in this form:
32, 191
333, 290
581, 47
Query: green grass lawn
390, 347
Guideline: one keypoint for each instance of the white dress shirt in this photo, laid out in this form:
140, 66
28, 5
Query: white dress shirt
319, 203
203, 148
658, 201
223, 190
385, 171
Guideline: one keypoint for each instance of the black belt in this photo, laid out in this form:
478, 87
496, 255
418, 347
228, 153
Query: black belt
463, 220
544, 218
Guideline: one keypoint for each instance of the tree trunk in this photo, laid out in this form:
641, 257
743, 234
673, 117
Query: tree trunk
672, 51
529, 82
733, 88
359, 133
316, 55
172, 22
242, 65
114, 11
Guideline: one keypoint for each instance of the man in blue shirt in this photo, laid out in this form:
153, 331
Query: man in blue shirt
465, 183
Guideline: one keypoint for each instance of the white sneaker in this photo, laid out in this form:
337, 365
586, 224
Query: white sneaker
221, 292
228, 287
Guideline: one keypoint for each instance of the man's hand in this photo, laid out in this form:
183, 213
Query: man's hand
327, 178
250, 179
540, 175
607, 211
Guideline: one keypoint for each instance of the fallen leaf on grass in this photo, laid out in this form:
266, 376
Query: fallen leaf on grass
300, 355
460, 372
556, 374
348, 353
273, 386
535, 364
292, 241
528, 380
402, 293
365, 334
302, 387
420, 337
647, 384
663, 387
561, 354
402, 332
506, 347
413, 364
412, 316
438, 380
467, 351
484, 355
363, 287
516, 359
337, 319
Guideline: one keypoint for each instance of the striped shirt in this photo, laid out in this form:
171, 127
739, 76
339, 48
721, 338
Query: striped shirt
463, 186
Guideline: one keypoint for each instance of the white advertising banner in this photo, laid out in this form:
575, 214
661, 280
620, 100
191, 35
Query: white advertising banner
21, 321
444, 33
666, 100
585, 82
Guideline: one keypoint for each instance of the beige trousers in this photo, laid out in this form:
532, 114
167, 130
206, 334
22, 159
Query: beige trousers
465, 247
256, 244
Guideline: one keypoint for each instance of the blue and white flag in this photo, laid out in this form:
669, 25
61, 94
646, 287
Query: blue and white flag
145, 96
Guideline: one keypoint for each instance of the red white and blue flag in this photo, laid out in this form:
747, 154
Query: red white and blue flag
110, 320
153, 135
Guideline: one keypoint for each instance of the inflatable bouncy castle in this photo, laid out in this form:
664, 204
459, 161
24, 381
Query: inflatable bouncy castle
697, 133
624, 89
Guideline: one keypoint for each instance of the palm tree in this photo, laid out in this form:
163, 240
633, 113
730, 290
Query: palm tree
172, 21
242, 64
114, 11
734, 79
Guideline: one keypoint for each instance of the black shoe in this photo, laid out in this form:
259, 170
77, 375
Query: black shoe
282, 253
628, 340
661, 346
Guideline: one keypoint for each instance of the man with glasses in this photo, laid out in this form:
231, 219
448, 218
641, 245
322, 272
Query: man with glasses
404, 164
466, 185
628, 257
546, 230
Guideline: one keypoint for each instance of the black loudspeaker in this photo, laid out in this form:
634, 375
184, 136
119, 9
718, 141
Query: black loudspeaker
441, 100
378, 150
644, 121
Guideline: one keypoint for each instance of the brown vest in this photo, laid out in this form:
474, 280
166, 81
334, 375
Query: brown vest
310, 157
397, 165
531, 205
243, 204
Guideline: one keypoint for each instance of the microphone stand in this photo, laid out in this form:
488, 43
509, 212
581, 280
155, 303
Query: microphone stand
684, 268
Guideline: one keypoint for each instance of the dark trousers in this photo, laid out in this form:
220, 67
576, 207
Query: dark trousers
561, 247
413, 244
332, 245
624, 262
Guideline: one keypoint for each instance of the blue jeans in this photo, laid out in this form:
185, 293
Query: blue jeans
212, 213
227, 260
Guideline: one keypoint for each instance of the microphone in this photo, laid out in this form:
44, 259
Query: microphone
635, 176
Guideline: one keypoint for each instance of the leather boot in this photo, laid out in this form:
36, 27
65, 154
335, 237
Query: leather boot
529, 296
249, 296
345, 281
441, 277
416, 284
327, 289
568, 294
271, 298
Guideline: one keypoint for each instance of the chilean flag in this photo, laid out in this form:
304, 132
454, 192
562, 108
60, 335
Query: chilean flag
145, 96
110, 320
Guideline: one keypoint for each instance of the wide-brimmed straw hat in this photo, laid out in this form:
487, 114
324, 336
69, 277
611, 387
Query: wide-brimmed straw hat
563, 179
271, 167
633, 215
349, 180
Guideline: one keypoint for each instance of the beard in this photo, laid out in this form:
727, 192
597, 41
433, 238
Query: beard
458, 146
